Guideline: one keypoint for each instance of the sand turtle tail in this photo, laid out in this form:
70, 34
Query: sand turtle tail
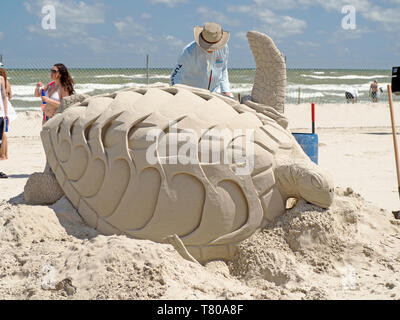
270, 80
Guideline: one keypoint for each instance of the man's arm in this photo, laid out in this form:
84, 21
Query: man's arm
177, 73
176, 76
224, 85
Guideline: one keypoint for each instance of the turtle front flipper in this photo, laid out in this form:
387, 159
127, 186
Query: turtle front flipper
301, 178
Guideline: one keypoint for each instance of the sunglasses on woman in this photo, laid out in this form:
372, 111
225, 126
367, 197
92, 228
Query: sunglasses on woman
53, 71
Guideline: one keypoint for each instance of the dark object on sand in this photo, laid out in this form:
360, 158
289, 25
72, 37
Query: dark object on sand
396, 80
349, 96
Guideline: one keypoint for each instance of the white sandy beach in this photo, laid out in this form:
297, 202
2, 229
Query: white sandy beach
349, 251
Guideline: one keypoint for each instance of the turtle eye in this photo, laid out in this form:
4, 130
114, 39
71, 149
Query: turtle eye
316, 182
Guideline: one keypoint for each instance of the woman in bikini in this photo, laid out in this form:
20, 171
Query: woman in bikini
61, 86
3, 114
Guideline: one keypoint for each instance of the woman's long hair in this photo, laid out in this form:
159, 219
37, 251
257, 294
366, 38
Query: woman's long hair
65, 78
3, 73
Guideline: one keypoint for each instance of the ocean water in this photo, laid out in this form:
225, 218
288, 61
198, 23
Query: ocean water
303, 85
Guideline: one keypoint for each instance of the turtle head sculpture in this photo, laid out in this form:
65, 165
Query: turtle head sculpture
161, 162
304, 180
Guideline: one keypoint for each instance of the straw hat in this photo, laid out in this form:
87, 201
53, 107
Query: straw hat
211, 36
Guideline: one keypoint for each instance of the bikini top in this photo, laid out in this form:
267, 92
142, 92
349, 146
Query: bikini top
55, 95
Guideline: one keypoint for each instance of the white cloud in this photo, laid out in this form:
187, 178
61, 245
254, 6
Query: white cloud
389, 18
282, 4
129, 26
136, 36
337, 5
304, 4
308, 44
209, 15
69, 11
72, 18
145, 15
240, 9
275, 25
241, 35
280, 26
174, 42
169, 3
350, 34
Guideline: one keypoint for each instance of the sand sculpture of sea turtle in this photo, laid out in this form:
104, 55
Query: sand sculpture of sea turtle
99, 152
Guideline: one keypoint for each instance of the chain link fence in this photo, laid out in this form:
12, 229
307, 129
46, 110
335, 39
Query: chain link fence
320, 86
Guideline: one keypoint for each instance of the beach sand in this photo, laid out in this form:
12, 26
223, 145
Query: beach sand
349, 251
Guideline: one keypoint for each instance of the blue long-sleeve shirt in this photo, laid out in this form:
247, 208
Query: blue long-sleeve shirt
196, 67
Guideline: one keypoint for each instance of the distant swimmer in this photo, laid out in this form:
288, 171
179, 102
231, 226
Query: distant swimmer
373, 91
351, 95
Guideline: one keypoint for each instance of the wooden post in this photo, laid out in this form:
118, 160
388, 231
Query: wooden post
298, 99
396, 151
147, 69
313, 117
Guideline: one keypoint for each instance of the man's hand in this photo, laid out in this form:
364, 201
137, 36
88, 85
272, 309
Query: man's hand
228, 94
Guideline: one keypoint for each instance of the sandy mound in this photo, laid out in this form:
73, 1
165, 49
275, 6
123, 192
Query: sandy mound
49, 253
348, 251
42, 188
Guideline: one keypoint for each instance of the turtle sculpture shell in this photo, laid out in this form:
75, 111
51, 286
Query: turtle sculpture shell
108, 156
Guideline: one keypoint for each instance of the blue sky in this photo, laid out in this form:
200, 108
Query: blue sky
106, 33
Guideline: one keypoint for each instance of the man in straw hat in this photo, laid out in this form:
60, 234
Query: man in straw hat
204, 62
